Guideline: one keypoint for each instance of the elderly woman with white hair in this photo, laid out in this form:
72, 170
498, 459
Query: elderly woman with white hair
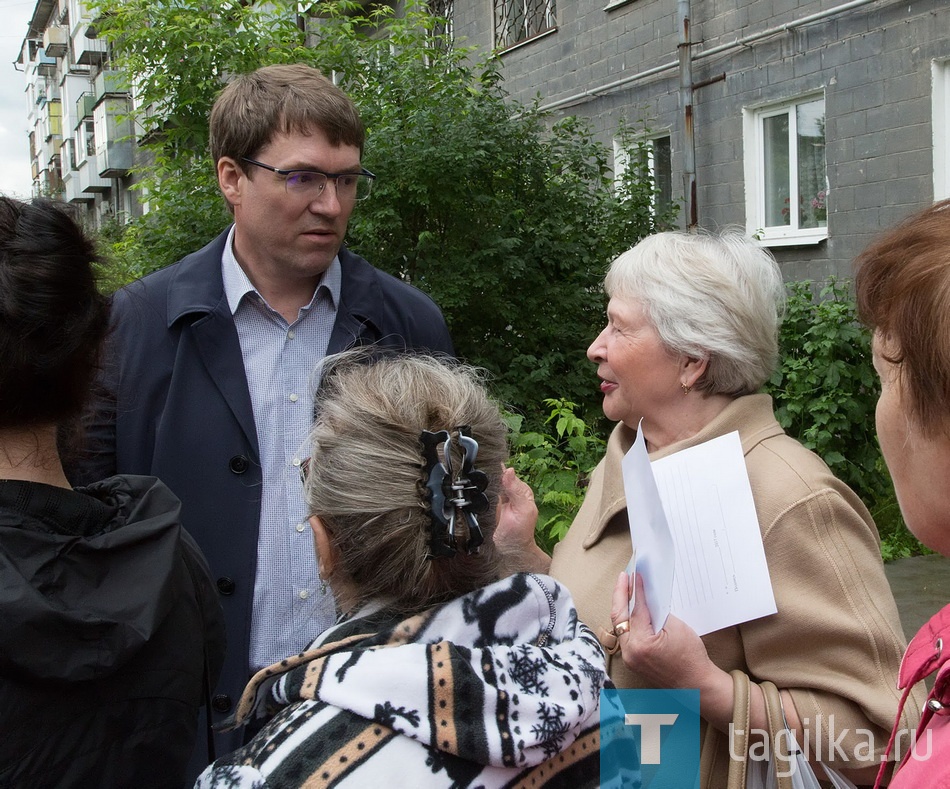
691, 337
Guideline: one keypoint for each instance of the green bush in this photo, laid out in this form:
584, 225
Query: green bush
825, 394
556, 462
825, 389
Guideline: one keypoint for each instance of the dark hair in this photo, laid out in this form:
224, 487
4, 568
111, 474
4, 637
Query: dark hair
902, 285
52, 317
280, 99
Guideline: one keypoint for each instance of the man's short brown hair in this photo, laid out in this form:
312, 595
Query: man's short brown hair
281, 99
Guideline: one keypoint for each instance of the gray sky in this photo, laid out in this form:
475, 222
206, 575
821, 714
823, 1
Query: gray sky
15, 177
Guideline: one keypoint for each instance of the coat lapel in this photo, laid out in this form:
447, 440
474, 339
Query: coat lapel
196, 299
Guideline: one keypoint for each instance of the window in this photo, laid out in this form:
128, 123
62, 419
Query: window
69, 155
941, 128
653, 158
786, 180
86, 143
519, 20
444, 10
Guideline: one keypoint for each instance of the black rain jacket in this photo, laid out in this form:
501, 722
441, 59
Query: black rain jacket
108, 619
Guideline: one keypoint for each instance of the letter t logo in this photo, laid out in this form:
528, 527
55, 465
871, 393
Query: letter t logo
650, 725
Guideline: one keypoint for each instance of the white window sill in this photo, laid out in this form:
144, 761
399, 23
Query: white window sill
543, 34
792, 238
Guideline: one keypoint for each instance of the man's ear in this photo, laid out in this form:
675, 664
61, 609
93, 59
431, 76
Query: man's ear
326, 551
231, 179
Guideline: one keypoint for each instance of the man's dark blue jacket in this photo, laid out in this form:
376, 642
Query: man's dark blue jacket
176, 405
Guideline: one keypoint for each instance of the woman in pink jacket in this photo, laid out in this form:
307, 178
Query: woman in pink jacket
903, 292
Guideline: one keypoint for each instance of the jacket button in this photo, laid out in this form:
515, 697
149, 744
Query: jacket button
239, 464
225, 585
221, 703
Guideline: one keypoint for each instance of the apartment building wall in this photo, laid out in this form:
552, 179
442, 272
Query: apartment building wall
881, 70
76, 106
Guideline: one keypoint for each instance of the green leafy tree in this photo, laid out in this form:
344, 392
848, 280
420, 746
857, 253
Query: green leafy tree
506, 220
176, 55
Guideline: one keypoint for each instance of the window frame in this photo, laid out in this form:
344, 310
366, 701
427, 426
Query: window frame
548, 24
755, 172
940, 127
623, 160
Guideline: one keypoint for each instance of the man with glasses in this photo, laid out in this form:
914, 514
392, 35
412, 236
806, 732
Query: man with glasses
214, 359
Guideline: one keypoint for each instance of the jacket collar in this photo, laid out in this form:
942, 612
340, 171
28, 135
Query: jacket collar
197, 287
751, 415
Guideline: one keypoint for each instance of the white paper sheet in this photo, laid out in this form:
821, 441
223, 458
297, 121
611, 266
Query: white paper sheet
649, 531
714, 547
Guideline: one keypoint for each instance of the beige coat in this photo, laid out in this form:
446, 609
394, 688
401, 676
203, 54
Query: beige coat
835, 643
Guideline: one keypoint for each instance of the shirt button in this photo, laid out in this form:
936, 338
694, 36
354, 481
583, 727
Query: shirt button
296, 461
290, 334
301, 527
294, 398
303, 594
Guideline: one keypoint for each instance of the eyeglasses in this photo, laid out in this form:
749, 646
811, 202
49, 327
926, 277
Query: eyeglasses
349, 186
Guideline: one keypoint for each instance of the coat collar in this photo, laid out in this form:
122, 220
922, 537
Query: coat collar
751, 415
196, 286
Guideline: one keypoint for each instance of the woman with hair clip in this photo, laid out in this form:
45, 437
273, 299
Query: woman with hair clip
108, 618
438, 673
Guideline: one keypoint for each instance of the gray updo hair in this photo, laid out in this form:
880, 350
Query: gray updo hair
366, 475
718, 297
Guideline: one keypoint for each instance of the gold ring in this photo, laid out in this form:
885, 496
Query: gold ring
620, 628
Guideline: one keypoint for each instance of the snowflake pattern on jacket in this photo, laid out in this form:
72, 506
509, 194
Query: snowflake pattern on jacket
497, 688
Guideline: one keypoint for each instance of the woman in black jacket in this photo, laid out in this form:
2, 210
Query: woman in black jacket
109, 623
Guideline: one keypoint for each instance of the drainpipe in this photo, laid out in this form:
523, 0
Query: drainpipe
686, 102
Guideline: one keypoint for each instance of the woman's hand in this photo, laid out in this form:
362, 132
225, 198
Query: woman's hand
516, 521
673, 658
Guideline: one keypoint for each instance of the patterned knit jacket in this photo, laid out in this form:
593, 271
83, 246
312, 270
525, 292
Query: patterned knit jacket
497, 688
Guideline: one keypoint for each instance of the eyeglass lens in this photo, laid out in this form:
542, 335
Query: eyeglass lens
348, 186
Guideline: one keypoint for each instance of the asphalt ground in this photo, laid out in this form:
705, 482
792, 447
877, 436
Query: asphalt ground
921, 587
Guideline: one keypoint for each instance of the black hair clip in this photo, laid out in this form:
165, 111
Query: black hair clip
451, 494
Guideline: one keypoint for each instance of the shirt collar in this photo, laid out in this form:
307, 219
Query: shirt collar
237, 284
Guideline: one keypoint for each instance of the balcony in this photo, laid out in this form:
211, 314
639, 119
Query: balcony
56, 41
45, 65
88, 50
113, 131
109, 83
85, 182
115, 159
54, 119
85, 104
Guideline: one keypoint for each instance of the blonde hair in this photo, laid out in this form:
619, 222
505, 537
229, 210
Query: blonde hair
366, 478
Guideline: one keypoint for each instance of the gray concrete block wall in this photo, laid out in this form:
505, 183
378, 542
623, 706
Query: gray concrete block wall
873, 64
